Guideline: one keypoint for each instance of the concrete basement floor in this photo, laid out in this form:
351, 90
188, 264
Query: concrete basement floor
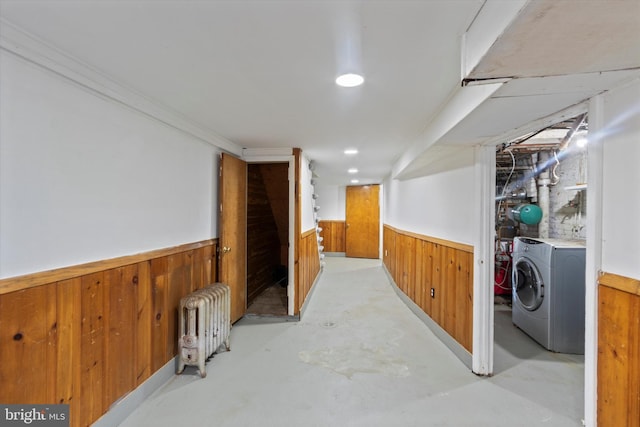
360, 357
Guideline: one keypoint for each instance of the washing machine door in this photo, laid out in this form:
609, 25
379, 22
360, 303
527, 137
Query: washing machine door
527, 284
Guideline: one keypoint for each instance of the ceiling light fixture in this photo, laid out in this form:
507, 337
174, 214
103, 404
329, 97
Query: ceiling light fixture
353, 170
581, 142
349, 80
350, 151
355, 181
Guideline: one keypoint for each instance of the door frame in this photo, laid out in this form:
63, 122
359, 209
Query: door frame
483, 330
253, 156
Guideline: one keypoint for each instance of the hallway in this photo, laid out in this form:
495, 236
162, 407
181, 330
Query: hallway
360, 357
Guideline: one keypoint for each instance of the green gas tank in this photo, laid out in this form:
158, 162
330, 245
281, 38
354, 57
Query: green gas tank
527, 214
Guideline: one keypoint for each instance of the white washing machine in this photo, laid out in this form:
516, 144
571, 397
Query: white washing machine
548, 281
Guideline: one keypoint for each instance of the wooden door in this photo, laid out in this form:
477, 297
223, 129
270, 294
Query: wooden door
363, 221
232, 257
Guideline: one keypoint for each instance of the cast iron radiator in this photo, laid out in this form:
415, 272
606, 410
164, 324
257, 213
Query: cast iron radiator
204, 325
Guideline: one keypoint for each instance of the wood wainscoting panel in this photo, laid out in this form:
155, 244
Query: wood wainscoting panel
618, 351
144, 316
159, 338
28, 340
87, 336
389, 250
333, 235
423, 266
406, 261
308, 264
68, 370
92, 347
120, 312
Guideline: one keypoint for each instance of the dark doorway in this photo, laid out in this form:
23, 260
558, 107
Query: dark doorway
267, 238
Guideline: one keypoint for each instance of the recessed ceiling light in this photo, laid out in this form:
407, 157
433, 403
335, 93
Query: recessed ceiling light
353, 170
355, 181
350, 151
349, 80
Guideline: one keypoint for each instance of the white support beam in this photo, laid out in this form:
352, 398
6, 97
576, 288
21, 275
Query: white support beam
460, 105
494, 18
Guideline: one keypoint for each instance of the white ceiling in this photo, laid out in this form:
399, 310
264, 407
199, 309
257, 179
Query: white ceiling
261, 73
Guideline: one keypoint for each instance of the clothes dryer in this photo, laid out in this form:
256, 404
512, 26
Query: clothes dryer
548, 288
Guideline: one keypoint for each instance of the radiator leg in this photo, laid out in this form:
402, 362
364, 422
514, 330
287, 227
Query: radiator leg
201, 368
181, 366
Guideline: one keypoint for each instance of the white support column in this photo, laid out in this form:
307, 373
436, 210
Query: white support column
483, 269
593, 258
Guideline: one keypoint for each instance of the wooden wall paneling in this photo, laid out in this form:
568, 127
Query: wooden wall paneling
327, 235
419, 264
386, 248
393, 252
90, 339
618, 368
304, 258
92, 347
464, 299
330, 239
144, 314
397, 259
340, 234
333, 234
198, 269
418, 280
28, 345
159, 326
410, 267
427, 276
179, 274
436, 283
263, 232
69, 356
337, 237
120, 319
401, 254
309, 264
311, 242
406, 264
314, 260
276, 182
32, 280
450, 310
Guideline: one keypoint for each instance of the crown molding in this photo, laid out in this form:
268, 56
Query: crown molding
22, 44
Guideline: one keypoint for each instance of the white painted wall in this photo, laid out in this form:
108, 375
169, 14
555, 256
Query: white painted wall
331, 200
568, 208
306, 200
439, 205
84, 178
620, 138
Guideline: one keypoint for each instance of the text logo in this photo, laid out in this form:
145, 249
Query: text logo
34, 415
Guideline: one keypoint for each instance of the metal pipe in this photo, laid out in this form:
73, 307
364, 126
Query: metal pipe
543, 193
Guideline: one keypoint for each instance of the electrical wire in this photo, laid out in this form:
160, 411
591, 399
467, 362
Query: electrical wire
556, 178
506, 184
504, 278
